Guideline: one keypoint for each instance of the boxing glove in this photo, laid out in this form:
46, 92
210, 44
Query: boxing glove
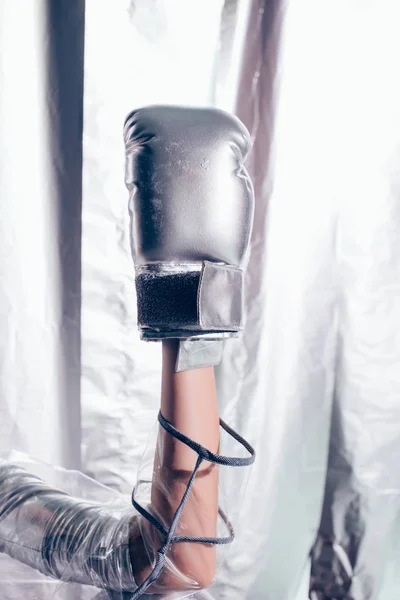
191, 210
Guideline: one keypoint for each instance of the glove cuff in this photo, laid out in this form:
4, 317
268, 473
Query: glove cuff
197, 301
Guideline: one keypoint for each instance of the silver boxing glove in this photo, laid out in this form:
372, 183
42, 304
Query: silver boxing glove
191, 212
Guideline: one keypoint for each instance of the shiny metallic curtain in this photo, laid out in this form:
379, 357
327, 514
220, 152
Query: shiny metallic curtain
315, 381
277, 383
41, 79
324, 112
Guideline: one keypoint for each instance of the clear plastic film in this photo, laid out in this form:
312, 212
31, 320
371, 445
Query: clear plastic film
39, 562
64, 536
70, 539
185, 538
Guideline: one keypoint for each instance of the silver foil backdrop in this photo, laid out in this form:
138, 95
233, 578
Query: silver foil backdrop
314, 383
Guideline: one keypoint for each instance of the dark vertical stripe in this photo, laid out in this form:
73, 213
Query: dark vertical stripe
65, 33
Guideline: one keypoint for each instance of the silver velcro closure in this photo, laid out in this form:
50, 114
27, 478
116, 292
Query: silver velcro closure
220, 297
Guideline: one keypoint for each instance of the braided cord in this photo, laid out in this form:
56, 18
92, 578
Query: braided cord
169, 534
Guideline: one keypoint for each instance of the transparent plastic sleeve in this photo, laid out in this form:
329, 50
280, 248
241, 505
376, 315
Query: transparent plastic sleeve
186, 538
64, 537
170, 545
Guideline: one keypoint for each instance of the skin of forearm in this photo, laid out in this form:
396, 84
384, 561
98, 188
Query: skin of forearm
189, 402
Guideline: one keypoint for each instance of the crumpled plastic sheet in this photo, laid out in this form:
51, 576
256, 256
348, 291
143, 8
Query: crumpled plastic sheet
32, 584
61, 524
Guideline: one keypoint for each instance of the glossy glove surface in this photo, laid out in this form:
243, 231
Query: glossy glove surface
191, 198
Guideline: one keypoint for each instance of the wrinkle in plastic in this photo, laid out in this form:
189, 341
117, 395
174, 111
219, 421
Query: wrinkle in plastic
75, 539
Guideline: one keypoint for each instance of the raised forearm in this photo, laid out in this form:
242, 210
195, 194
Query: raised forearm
189, 242
189, 403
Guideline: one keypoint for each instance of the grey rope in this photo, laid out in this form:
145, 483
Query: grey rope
169, 537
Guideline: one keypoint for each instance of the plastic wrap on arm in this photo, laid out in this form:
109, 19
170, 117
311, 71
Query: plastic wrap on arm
61, 536
183, 537
169, 548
